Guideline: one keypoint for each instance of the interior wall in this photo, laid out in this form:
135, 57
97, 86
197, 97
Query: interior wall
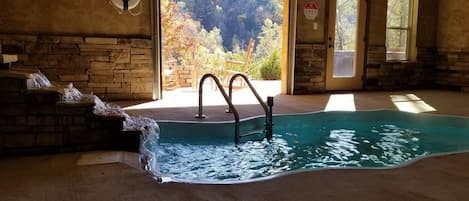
445, 67
453, 24
85, 42
111, 68
377, 23
310, 51
390, 75
427, 21
305, 28
72, 17
453, 44
427, 18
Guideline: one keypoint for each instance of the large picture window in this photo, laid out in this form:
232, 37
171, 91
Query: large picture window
221, 37
398, 30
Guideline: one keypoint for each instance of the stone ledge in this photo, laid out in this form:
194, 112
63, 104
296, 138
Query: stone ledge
19, 37
14, 74
96, 40
72, 39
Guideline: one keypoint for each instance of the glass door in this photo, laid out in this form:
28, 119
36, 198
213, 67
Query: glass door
345, 44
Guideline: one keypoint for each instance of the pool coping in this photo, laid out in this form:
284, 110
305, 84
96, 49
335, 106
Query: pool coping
162, 179
314, 112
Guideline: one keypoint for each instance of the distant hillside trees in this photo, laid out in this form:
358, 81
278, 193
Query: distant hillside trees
185, 40
239, 19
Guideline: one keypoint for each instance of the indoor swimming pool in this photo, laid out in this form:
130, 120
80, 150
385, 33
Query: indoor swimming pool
206, 153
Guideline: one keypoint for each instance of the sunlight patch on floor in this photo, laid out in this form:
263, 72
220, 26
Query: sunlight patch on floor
187, 97
341, 102
411, 103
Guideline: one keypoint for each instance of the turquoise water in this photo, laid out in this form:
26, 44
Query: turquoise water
206, 152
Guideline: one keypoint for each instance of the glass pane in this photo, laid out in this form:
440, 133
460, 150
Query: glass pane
345, 38
398, 13
396, 44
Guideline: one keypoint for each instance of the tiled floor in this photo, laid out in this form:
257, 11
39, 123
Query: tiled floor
75, 177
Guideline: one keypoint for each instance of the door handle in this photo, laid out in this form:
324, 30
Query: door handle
331, 46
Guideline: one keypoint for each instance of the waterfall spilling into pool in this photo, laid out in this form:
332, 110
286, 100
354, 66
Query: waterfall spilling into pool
205, 152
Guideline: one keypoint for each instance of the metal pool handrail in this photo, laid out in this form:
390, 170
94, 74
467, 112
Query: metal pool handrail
267, 110
200, 115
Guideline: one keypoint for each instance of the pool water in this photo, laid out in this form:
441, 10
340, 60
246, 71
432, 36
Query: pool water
206, 152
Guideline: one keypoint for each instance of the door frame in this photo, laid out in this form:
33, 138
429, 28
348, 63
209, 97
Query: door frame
288, 46
346, 83
155, 32
287, 53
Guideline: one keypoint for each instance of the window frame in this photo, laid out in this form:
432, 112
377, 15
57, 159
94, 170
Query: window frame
410, 32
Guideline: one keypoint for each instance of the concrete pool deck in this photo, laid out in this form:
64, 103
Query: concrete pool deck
67, 177
444, 102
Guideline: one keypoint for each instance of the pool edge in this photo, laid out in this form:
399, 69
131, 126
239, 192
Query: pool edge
315, 112
166, 179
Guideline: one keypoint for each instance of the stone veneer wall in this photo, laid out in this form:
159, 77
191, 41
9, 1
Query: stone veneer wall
381, 74
453, 69
310, 65
176, 76
185, 76
310, 68
111, 68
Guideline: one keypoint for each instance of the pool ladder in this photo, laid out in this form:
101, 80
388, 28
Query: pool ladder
231, 109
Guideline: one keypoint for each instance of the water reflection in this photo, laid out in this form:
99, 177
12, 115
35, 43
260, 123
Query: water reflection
342, 144
382, 145
396, 145
225, 162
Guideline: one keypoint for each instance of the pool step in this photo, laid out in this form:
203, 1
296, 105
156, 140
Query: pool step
253, 132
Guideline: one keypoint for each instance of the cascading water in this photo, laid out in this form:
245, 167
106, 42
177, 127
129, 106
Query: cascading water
38, 80
148, 127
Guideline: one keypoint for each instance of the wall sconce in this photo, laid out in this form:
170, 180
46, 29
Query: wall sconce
126, 5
